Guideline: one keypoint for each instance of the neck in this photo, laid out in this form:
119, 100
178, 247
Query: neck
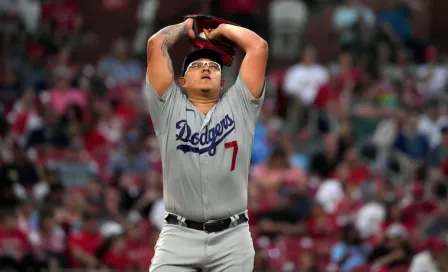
204, 104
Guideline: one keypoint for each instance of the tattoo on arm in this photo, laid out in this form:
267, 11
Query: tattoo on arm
171, 35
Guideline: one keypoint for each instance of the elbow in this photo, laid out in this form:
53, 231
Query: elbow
154, 41
151, 42
259, 48
262, 46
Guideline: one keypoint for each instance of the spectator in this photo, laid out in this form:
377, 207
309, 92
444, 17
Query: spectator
15, 249
10, 87
396, 25
439, 153
20, 170
24, 116
50, 134
130, 160
94, 195
431, 122
394, 251
426, 261
355, 23
394, 215
83, 245
437, 226
358, 173
47, 185
113, 211
72, 121
139, 247
366, 113
350, 250
282, 219
324, 162
108, 126
302, 82
371, 216
320, 224
420, 208
112, 253
119, 66
401, 69
276, 172
74, 168
32, 73
69, 215
48, 242
433, 75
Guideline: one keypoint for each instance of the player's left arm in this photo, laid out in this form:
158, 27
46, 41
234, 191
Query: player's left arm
253, 67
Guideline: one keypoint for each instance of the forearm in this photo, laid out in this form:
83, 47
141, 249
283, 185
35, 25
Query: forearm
169, 35
244, 38
163, 40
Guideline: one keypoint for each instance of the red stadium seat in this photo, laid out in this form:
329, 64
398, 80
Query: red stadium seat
404, 268
361, 268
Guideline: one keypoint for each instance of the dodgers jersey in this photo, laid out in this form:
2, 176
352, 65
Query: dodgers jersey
205, 157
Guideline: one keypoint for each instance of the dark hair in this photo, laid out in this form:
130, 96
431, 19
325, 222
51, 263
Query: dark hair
278, 151
78, 113
441, 191
46, 213
88, 216
106, 245
350, 235
389, 207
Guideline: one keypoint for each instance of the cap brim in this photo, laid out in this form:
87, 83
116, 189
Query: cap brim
203, 53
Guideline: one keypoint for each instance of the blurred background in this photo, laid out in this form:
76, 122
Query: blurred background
350, 158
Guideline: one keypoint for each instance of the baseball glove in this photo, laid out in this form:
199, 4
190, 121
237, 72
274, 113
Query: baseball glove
225, 47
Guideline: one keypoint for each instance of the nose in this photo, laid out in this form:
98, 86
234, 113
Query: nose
205, 68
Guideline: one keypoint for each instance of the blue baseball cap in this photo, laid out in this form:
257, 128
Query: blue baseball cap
199, 54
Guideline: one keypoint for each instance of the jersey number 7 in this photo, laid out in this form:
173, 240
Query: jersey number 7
234, 145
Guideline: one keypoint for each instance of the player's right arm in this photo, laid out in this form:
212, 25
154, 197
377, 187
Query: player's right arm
160, 68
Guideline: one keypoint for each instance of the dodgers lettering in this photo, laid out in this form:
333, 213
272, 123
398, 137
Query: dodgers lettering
209, 139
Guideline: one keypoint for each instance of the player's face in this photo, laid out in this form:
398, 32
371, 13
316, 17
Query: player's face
203, 74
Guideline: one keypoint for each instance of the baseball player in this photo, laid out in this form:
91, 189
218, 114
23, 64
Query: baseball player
205, 137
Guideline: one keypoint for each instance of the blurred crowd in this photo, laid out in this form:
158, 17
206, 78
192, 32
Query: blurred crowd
349, 162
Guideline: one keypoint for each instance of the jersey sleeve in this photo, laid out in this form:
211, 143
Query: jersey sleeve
161, 107
242, 101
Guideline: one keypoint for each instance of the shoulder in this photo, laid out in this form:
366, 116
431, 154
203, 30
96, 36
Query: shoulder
240, 84
173, 87
320, 68
294, 69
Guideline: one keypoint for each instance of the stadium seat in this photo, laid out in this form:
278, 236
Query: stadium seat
361, 268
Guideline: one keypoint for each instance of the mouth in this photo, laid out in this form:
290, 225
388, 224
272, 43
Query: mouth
205, 77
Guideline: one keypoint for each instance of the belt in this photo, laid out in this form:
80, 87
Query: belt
207, 227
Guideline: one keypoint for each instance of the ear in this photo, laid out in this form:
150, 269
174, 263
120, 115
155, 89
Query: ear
223, 82
182, 82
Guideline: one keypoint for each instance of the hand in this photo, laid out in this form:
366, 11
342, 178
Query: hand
189, 25
214, 34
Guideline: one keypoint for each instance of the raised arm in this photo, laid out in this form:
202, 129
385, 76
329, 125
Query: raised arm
160, 68
253, 68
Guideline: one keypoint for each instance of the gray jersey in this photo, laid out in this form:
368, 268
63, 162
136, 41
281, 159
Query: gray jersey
205, 157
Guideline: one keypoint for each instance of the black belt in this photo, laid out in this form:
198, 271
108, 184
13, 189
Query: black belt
207, 227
